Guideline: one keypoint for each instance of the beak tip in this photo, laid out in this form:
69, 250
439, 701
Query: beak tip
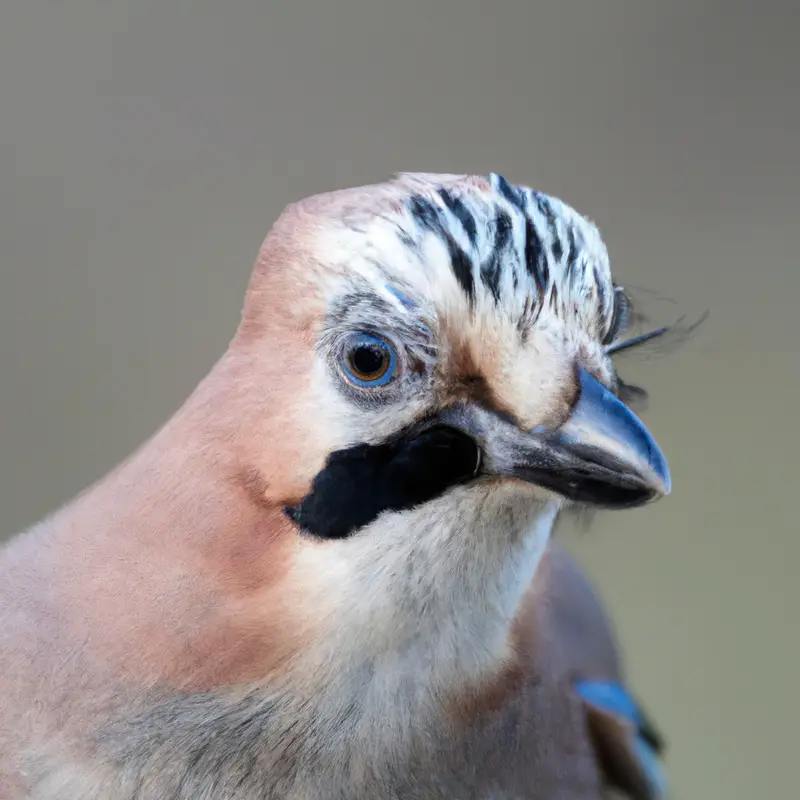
602, 421
663, 489
662, 478
657, 473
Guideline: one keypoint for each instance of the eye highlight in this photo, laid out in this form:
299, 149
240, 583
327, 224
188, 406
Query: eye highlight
367, 360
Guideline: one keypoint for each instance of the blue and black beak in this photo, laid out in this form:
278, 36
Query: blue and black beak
602, 454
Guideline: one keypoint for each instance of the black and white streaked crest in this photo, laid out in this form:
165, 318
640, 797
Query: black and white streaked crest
516, 248
508, 251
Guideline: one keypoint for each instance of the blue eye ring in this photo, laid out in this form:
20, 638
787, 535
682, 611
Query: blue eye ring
368, 361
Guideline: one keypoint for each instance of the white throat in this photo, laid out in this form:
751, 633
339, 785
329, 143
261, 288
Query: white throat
429, 594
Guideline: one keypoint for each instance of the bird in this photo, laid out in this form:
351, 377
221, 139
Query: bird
332, 573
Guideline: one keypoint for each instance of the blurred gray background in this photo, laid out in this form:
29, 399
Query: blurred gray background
146, 147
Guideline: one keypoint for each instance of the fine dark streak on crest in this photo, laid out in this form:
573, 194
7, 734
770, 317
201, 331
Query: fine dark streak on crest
407, 241
602, 297
544, 207
554, 298
492, 269
572, 255
535, 261
462, 214
528, 317
511, 193
462, 267
428, 215
556, 249
534, 258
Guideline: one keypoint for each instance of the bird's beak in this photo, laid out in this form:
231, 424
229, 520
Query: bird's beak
602, 454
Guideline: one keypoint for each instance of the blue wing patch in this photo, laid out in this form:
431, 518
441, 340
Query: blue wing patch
644, 744
610, 697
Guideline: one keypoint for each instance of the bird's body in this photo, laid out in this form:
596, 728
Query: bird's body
315, 583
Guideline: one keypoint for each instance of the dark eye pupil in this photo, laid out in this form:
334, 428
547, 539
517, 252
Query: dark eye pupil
368, 360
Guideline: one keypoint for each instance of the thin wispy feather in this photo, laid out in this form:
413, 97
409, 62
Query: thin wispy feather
646, 339
660, 341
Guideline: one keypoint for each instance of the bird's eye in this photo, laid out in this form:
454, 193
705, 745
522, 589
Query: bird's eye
619, 319
368, 361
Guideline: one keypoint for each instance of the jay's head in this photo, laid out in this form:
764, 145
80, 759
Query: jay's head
436, 337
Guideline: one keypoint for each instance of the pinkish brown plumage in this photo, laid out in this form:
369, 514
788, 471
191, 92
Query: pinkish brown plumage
324, 580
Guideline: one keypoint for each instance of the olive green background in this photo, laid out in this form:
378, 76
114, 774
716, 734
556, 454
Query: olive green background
146, 147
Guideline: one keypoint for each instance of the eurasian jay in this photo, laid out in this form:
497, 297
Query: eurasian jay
330, 575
